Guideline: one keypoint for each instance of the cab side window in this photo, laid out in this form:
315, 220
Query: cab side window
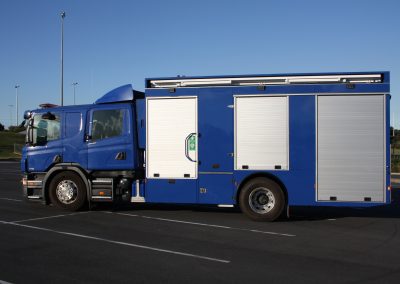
45, 130
107, 123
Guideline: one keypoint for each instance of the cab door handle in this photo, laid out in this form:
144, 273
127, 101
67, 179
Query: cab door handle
121, 156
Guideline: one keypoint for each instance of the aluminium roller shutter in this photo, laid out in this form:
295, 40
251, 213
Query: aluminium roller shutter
261, 133
351, 149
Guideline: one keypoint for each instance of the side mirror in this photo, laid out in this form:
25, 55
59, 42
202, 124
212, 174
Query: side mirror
27, 114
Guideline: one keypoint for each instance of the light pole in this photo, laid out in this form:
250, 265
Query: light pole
16, 104
62, 57
74, 85
11, 107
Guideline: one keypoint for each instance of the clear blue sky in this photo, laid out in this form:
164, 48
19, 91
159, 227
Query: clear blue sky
115, 42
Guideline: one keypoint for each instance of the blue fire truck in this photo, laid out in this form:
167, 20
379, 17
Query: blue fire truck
262, 142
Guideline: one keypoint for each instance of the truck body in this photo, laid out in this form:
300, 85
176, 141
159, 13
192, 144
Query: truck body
263, 142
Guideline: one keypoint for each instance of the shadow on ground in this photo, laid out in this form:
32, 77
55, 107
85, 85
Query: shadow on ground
297, 213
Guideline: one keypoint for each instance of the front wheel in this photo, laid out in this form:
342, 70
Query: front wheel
67, 191
262, 199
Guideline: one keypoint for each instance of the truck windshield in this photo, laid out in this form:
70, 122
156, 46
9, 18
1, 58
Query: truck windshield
44, 130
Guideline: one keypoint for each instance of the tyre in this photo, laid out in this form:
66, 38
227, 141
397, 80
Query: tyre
68, 191
262, 199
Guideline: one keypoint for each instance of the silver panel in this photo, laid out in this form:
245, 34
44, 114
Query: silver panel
351, 148
261, 133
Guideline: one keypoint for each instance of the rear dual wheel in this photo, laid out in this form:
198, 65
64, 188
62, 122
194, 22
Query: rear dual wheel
262, 199
67, 191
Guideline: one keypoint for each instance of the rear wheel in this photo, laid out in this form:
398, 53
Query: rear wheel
67, 191
262, 199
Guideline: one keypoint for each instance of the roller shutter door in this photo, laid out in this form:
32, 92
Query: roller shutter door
351, 149
261, 134
170, 121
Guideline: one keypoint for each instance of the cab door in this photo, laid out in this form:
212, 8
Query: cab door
47, 145
110, 138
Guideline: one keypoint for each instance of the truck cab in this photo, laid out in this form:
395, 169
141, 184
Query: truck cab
95, 146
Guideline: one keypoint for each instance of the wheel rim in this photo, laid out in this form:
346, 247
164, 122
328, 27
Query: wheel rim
67, 191
261, 200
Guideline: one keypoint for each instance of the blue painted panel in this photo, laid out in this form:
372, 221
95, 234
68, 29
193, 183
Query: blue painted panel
215, 124
171, 191
140, 107
302, 150
23, 162
218, 189
74, 150
40, 158
308, 89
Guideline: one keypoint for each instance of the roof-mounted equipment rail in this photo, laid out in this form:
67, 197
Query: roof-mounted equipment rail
266, 80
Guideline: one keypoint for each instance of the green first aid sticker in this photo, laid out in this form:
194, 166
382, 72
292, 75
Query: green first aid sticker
192, 143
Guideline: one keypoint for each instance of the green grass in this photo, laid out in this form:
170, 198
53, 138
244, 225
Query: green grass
7, 140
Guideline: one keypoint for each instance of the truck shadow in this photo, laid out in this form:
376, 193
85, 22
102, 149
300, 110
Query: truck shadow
320, 213
297, 213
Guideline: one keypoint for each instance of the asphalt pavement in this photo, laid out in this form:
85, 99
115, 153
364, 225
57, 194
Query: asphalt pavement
181, 244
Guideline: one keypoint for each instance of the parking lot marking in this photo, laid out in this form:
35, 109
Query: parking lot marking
50, 217
272, 233
11, 199
207, 225
186, 222
117, 242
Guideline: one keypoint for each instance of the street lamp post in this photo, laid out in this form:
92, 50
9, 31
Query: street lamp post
62, 57
74, 85
11, 107
16, 104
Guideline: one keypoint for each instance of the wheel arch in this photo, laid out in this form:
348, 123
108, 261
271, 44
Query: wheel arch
265, 175
76, 168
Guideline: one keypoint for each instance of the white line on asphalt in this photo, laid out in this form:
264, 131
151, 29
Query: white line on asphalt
207, 225
270, 233
186, 222
117, 242
11, 199
49, 217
